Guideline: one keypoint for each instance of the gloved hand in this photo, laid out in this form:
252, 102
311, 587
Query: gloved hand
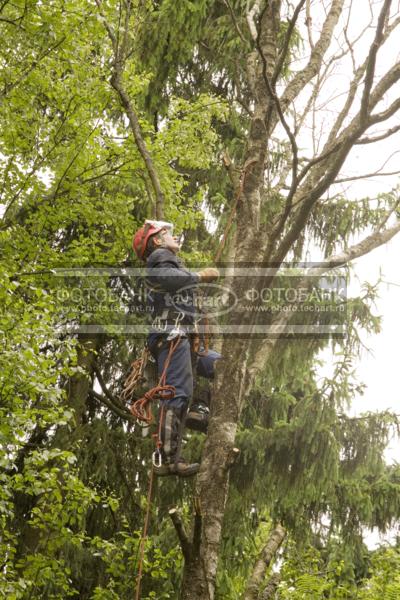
208, 274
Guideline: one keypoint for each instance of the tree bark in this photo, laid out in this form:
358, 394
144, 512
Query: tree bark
270, 589
266, 556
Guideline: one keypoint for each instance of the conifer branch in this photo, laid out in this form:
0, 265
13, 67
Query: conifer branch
234, 21
376, 239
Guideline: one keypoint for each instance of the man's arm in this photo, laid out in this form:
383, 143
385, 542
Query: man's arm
165, 271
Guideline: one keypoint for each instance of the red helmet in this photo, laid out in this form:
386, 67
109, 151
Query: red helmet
143, 235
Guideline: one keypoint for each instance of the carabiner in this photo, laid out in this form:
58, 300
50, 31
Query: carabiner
156, 458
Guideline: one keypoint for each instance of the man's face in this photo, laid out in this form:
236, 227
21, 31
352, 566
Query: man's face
169, 241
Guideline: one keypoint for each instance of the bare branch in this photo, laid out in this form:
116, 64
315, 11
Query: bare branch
313, 67
279, 323
358, 73
321, 178
386, 114
270, 85
385, 83
377, 138
251, 15
308, 24
367, 176
371, 62
182, 535
347, 105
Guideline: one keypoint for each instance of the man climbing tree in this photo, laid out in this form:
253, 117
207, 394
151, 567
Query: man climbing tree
172, 341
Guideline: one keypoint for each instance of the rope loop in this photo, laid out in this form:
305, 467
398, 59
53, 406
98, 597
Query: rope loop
141, 409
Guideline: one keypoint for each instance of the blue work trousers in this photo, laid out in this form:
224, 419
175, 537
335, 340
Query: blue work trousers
179, 371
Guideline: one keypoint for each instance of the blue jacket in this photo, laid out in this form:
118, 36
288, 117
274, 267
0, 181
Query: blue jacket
170, 288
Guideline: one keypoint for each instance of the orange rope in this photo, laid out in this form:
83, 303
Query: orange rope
141, 409
135, 376
144, 535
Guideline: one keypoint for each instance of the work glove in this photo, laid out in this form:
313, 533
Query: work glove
209, 274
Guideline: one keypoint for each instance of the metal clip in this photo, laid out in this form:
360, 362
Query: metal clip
176, 330
156, 458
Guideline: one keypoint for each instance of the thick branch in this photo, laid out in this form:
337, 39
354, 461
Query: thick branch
113, 407
266, 556
384, 84
137, 134
314, 64
182, 535
322, 177
270, 85
250, 17
269, 591
385, 114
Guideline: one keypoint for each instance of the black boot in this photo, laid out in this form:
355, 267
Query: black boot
171, 435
